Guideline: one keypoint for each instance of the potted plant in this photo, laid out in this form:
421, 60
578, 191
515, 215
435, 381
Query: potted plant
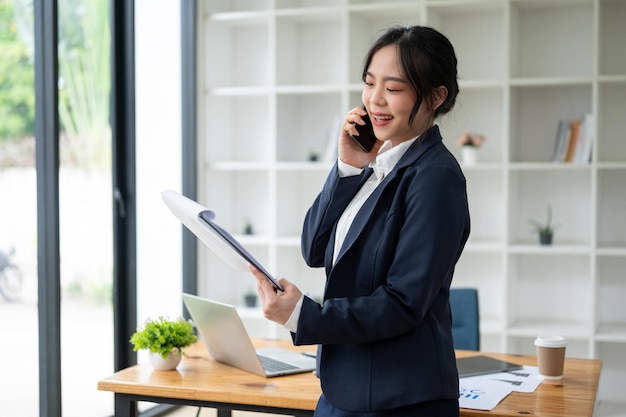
545, 230
165, 340
250, 298
248, 228
469, 143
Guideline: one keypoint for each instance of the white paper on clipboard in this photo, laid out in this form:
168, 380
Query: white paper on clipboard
199, 220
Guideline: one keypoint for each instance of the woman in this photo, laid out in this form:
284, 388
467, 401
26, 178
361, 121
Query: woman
389, 236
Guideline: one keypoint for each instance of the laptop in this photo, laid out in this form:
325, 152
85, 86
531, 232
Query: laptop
227, 341
481, 365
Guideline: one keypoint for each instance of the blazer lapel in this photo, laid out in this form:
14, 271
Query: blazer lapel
431, 137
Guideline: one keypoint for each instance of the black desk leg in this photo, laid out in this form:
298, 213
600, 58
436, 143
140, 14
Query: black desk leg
223, 412
125, 406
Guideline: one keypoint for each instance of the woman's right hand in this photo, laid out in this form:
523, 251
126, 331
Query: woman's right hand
349, 151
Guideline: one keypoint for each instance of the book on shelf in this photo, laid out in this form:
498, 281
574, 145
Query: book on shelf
574, 140
585, 140
574, 136
562, 140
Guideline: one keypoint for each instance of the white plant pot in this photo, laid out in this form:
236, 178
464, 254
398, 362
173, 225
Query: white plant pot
168, 364
469, 155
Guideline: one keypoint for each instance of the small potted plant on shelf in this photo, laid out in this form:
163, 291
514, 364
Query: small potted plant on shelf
313, 155
250, 298
469, 143
165, 340
248, 228
545, 230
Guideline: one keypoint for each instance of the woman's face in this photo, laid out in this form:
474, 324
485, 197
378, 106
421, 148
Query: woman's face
389, 99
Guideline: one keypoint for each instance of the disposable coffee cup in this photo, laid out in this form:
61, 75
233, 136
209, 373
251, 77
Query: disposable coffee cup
550, 356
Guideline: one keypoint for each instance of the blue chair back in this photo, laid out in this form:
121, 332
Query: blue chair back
465, 318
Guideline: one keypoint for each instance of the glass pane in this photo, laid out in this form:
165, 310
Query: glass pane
85, 206
18, 219
158, 135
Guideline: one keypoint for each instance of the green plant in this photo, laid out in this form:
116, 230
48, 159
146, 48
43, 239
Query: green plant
17, 79
546, 227
162, 336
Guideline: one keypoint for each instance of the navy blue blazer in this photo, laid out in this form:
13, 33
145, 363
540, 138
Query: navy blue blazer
385, 327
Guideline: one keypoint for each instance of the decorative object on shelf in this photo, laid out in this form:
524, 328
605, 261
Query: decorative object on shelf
248, 229
469, 143
314, 156
545, 230
165, 339
250, 298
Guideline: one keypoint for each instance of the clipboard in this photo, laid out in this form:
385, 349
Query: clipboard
200, 221
481, 365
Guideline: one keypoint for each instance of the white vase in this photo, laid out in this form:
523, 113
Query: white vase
169, 363
468, 154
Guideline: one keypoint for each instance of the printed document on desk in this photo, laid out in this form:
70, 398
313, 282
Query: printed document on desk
484, 392
200, 221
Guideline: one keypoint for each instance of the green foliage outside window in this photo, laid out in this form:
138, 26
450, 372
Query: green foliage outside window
84, 78
17, 79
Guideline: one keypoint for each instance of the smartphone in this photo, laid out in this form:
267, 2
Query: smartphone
366, 138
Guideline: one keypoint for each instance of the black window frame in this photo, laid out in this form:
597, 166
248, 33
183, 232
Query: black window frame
124, 191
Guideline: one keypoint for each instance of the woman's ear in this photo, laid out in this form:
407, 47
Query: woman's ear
439, 96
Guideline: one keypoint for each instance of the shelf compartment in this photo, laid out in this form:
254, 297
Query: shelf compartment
551, 293
296, 192
539, 31
229, 60
524, 344
308, 122
237, 129
305, 4
221, 6
477, 33
611, 146
486, 197
484, 272
611, 293
612, 53
568, 193
534, 117
611, 227
480, 111
238, 197
613, 373
219, 282
367, 22
297, 61
611, 332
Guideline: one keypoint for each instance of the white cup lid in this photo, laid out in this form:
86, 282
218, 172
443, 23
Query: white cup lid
550, 341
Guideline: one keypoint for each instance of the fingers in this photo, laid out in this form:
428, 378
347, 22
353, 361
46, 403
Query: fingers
277, 305
354, 116
263, 285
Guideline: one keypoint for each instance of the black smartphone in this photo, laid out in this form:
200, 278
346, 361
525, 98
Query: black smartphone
366, 138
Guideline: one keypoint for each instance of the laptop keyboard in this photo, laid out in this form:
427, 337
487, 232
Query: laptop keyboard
272, 365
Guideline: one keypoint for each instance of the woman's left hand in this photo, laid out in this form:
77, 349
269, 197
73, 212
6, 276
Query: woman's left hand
349, 151
277, 305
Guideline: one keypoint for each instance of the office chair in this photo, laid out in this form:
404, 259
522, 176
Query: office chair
465, 318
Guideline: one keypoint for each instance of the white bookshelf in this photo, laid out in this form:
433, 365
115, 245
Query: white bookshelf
276, 74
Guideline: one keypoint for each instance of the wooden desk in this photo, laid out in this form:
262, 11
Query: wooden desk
201, 381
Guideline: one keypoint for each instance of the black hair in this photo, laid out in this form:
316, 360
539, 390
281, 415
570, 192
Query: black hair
426, 58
